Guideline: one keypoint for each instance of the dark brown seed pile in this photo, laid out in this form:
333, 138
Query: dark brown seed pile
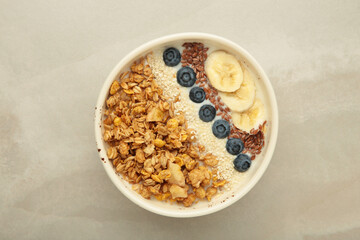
194, 55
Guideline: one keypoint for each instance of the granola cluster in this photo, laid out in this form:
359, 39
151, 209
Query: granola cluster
151, 146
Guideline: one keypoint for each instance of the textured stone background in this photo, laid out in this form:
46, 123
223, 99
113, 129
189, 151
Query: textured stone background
54, 57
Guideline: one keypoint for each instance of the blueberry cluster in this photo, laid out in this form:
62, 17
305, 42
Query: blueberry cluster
186, 77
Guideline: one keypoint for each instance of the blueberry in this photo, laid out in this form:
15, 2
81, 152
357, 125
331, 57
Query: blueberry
207, 113
242, 163
234, 146
171, 57
221, 128
197, 94
186, 77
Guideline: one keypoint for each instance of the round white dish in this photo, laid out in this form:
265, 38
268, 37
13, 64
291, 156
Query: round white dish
250, 178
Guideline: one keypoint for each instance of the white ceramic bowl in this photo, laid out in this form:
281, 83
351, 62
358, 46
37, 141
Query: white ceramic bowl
259, 165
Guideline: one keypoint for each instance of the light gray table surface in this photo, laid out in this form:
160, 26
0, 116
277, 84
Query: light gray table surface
54, 57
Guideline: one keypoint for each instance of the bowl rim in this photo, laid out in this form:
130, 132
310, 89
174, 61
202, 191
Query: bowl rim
162, 40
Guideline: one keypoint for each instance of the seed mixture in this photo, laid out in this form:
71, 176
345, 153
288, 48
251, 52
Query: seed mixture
166, 140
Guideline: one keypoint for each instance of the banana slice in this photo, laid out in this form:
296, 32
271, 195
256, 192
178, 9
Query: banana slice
243, 98
250, 118
223, 71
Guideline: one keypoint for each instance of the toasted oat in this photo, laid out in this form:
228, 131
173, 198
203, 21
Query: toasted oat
115, 86
196, 176
177, 177
189, 200
140, 155
177, 191
210, 160
200, 192
112, 153
210, 192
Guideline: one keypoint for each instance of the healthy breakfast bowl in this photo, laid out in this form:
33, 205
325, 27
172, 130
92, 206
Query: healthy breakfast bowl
186, 124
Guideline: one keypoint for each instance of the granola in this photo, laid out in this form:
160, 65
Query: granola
150, 144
